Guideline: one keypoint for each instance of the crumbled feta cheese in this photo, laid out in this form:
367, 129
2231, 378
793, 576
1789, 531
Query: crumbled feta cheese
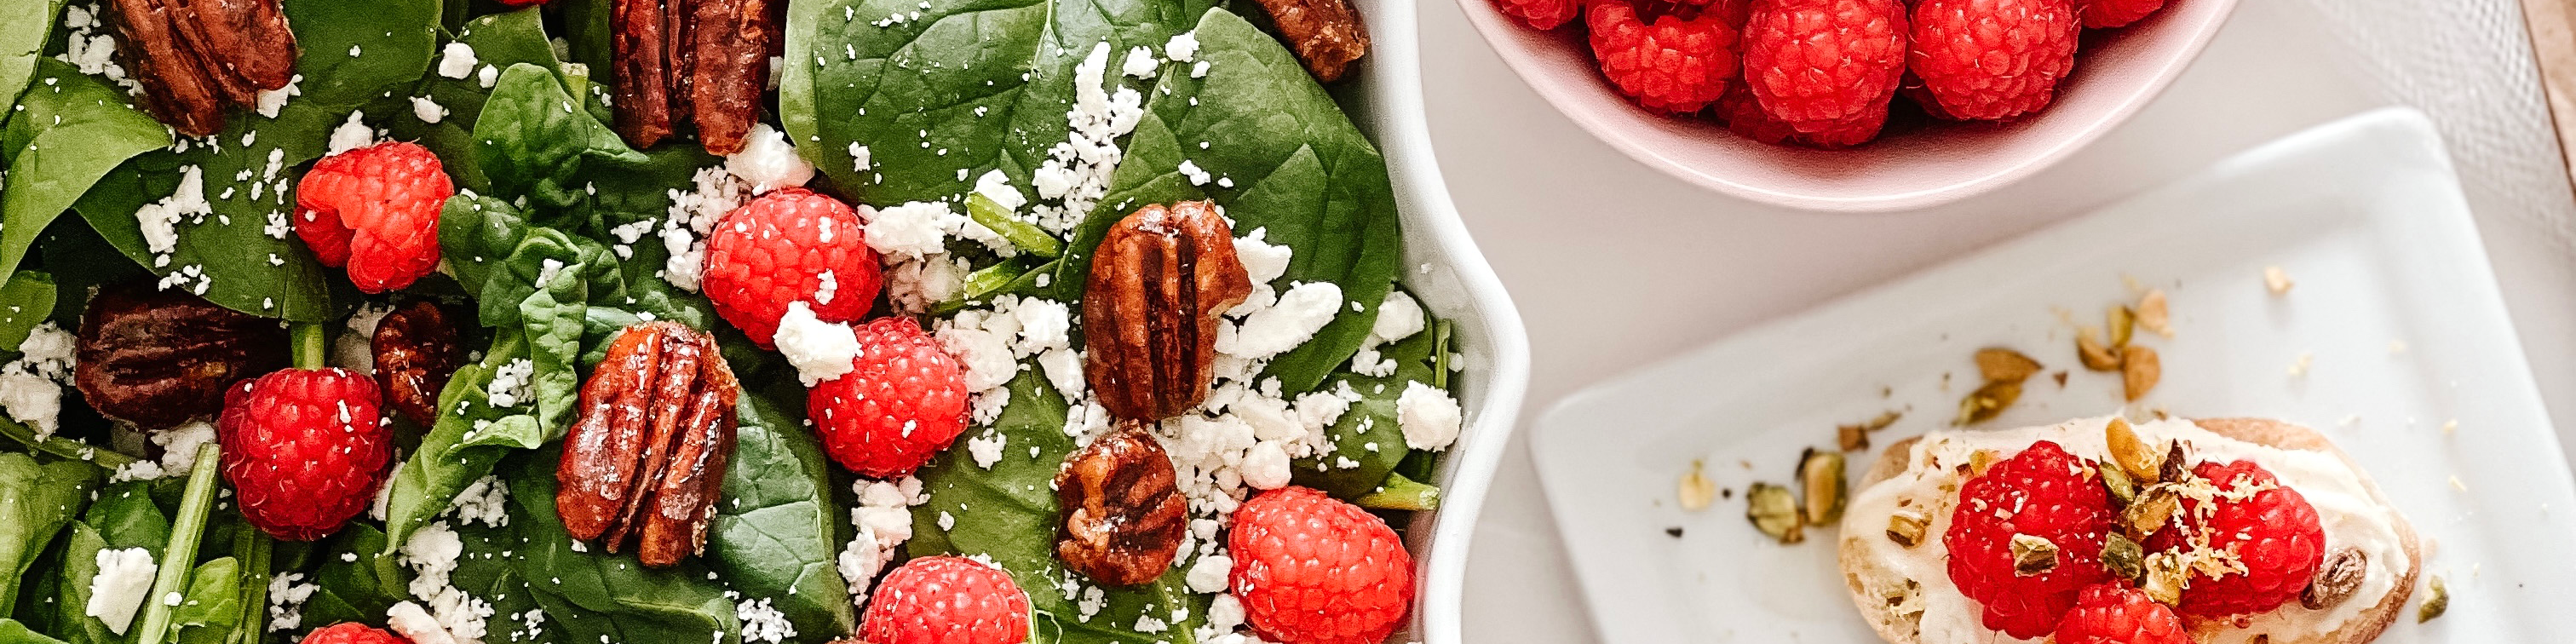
1063, 369
416, 625
692, 215
354, 349
160, 219
124, 578
33, 400
1209, 573
427, 109
509, 385
884, 522
287, 593
432, 553
1190, 170
1225, 613
1265, 466
1268, 331
821, 351
1263, 261
489, 75
987, 448
763, 623
1140, 63
383, 502
456, 60
486, 500
1184, 47
352, 134
768, 161
1429, 417
914, 285
913, 230
273, 100
997, 186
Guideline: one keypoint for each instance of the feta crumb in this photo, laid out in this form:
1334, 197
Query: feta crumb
286, 596
692, 215
160, 219
913, 230
509, 385
124, 578
1140, 63
1184, 47
821, 351
768, 161
1268, 331
858, 157
486, 500
427, 109
1265, 466
1209, 574
1263, 262
1190, 169
1429, 417
488, 76
762, 622
272, 100
415, 624
987, 448
456, 60
352, 134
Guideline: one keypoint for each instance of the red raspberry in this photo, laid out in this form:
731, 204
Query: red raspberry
1543, 15
2041, 492
1314, 570
776, 250
304, 449
1675, 65
2116, 614
2273, 531
946, 600
903, 402
375, 210
2106, 14
1743, 115
352, 633
1993, 59
1825, 66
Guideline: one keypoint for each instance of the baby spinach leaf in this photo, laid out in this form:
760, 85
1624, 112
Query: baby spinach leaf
533, 140
25, 25
1008, 513
499, 40
476, 233
26, 301
81, 545
36, 501
211, 607
775, 534
1367, 437
1301, 171
12, 632
973, 84
468, 438
64, 135
349, 590
594, 594
389, 44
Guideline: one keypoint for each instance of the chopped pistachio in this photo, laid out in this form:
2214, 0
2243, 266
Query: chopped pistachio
1820, 475
2128, 453
1979, 460
2032, 554
2164, 578
1999, 364
2437, 599
2118, 484
2152, 313
1695, 490
1988, 401
2095, 355
2277, 280
1905, 527
2123, 323
2139, 371
2123, 557
1774, 511
2150, 512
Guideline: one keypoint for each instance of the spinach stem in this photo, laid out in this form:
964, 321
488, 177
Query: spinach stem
1400, 493
1026, 237
188, 528
312, 344
64, 448
252, 547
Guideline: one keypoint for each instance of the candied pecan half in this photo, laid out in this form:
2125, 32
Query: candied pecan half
158, 358
647, 457
704, 62
1326, 34
195, 57
1123, 514
416, 350
1158, 286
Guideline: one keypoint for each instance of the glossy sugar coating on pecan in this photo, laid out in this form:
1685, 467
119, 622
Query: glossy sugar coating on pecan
196, 57
1159, 284
700, 61
416, 350
1326, 34
1123, 515
646, 459
158, 358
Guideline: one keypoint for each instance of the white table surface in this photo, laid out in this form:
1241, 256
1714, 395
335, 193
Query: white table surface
1614, 265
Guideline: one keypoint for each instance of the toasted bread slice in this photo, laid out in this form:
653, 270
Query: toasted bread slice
1892, 625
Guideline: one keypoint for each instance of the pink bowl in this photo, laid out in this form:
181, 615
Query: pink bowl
1909, 167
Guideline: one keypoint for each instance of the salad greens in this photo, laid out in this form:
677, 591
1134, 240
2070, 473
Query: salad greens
559, 238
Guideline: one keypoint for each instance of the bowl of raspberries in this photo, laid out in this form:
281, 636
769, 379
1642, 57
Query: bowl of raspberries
1849, 105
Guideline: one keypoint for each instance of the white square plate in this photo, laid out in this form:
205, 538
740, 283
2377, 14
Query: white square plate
2394, 312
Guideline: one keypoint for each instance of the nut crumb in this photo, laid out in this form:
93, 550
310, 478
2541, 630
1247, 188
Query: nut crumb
2140, 368
2276, 280
2450, 426
2299, 367
2153, 313
2437, 600
2457, 485
1695, 490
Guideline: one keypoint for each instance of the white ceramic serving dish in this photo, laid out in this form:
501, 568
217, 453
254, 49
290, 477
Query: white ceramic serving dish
2394, 323
1444, 270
